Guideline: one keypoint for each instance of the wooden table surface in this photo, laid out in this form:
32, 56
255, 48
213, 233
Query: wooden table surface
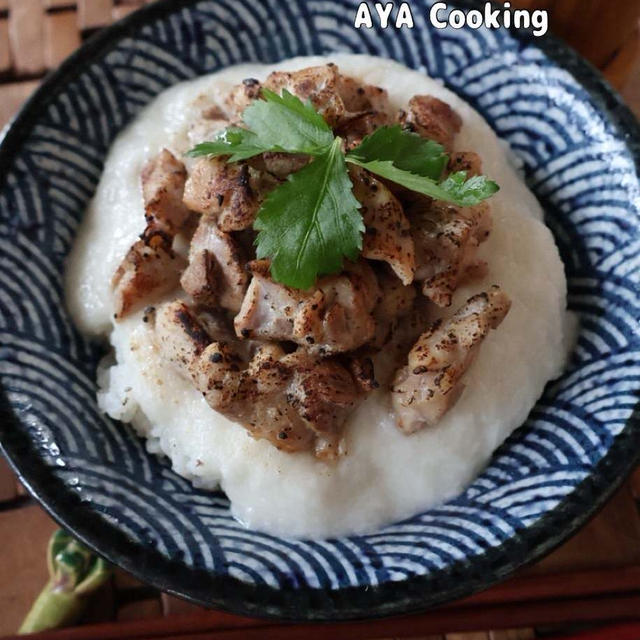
605, 551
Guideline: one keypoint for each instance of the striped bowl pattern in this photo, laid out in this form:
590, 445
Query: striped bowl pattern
95, 475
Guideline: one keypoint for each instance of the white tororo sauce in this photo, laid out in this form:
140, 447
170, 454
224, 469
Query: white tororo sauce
386, 475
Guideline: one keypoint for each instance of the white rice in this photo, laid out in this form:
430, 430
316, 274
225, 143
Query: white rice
386, 475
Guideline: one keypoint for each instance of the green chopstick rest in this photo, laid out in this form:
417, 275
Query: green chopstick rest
74, 574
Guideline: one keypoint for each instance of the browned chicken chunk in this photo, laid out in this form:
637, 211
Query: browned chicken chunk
395, 301
434, 119
317, 84
335, 316
150, 269
179, 335
363, 372
358, 97
355, 129
468, 161
277, 164
222, 191
446, 240
216, 273
296, 401
241, 96
230, 193
163, 179
388, 234
324, 393
431, 383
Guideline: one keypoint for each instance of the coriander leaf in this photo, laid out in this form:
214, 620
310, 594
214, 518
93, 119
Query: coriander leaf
463, 189
277, 123
455, 189
237, 143
286, 123
308, 224
407, 150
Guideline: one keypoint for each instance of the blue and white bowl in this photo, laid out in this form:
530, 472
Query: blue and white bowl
580, 148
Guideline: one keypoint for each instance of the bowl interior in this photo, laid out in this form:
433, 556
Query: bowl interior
579, 149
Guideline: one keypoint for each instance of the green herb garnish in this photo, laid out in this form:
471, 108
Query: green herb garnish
310, 223
406, 150
277, 123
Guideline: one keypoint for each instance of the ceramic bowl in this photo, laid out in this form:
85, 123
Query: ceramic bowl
580, 152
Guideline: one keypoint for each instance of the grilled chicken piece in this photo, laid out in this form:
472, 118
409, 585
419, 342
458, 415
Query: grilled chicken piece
446, 240
269, 309
331, 93
150, 269
318, 84
255, 396
354, 129
366, 109
468, 161
179, 335
262, 404
279, 165
359, 97
324, 393
333, 317
216, 273
230, 193
395, 301
296, 401
163, 179
363, 372
388, 234
431, 383
191, 344
434, 119
241, 96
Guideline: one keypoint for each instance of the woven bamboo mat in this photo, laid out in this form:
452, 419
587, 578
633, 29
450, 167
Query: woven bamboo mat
593, 577
36, 35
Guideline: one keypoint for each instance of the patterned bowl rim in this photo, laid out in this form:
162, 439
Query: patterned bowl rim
411, 595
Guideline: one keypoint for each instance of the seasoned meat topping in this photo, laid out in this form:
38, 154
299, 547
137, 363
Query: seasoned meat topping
290, 365
216, 274
358, 98
150, 269
297, 401
335, 316
468, 161
395, 301
242, 96
354, 129
446, 240
388, 234
318, 84
434, 119
163, 179
430, 384
279, 165
229, 193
